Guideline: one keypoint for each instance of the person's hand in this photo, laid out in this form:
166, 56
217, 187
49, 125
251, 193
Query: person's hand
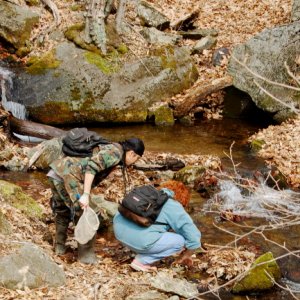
186, 258
84, 200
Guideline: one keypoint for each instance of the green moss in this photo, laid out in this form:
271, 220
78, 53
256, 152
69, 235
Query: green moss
257, 279
53, 113
73, 31
73, 34
107, 65
257, 145
188, 174
14, 195
122, 49
40, 65
164, 116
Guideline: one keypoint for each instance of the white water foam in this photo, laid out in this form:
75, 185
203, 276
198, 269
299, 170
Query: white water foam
260, 201
6, 84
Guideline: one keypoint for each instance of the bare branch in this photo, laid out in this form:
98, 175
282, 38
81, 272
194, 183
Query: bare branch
291, 107
263, 78
291, 73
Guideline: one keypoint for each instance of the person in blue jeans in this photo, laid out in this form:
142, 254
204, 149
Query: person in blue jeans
157, 241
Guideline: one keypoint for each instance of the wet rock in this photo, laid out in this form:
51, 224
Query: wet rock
188, 174
150, 16
163, 115
165, 282
29, 267
154, 36
207, 42
15, 196
257, 278
16, 24
265, 54
295, 15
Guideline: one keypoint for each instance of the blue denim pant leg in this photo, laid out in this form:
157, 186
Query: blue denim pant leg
169, 244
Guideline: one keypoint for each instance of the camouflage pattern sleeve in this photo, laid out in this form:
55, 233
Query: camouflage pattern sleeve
108, 156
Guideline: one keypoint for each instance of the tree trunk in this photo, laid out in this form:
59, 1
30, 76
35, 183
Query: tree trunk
196, 95
33, 129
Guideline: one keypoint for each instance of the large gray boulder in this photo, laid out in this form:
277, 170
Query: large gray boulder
16, 24
70, 85
266, 54
29, 267
295, 16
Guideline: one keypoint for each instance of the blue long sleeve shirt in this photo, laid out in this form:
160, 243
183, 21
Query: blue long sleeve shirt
142, 238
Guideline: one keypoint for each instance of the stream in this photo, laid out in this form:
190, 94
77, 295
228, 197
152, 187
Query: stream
204, 137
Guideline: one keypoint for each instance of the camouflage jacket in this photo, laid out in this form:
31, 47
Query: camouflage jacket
73, 169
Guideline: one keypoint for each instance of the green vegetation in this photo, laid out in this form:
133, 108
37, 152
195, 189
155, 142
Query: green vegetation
107, 65
40, 65
15, 196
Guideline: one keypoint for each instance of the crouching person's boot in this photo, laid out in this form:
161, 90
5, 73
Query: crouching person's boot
62, 224
86, 252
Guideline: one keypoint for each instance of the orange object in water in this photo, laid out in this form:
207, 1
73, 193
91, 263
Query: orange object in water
182, 193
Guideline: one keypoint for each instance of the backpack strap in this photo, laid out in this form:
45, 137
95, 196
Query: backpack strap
142, 221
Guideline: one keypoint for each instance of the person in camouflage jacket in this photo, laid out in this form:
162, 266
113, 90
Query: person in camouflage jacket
71, 180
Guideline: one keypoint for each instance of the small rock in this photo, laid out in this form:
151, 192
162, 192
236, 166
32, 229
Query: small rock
219, 55
154, 36
150, 16
165, 282
207, 42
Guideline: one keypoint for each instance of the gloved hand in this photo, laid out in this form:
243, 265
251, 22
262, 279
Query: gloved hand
84, 200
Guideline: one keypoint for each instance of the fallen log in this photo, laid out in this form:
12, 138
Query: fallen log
196, 95
186, 20
33, 129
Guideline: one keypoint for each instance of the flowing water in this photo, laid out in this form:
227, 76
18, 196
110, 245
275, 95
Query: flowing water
206, 137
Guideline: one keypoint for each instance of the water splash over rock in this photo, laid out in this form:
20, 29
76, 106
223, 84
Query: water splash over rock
6, 86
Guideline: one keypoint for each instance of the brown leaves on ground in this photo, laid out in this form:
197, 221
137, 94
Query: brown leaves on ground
281, 147
226, 263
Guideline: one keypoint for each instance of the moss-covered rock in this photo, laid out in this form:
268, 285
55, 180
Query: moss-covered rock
15, 196
16, 24
257, 145
261, 276
107, 65
74, 34
41, 65
81, 86
188, 174
164, 116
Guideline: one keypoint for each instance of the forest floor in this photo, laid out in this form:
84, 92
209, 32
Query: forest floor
236, 22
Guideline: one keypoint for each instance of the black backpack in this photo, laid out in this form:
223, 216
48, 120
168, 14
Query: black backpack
81, 142
143, 204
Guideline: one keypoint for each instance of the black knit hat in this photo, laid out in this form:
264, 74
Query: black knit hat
135, 144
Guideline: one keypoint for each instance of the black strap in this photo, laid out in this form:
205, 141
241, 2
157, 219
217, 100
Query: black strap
160, 223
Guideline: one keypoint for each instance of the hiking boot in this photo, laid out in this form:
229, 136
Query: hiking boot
61, 224
86, 252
